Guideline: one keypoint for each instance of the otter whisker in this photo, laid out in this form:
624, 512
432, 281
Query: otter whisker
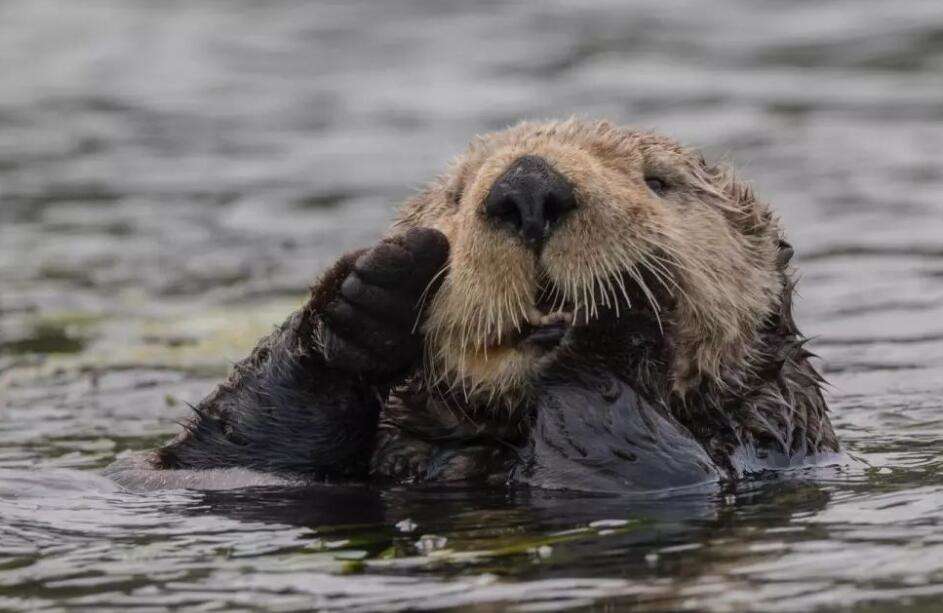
625, 293
556, 295
584, 300
660, 273
587, 290
679, 262
607, 284
596, 296
663, 276
599, 287
521, 308
570, 295
611, 294
591, 286
616, 280
609, 273
425, 293
493, 321
656, 308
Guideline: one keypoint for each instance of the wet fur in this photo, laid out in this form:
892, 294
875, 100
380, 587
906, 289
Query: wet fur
283, 410
709, 350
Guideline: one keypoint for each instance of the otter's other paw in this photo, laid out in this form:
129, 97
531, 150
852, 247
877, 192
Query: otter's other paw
371, 325
401, 460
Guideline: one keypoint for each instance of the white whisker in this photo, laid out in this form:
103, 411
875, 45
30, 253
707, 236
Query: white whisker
425, 293
633, 272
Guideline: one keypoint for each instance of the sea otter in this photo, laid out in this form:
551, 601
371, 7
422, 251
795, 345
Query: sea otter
571, 305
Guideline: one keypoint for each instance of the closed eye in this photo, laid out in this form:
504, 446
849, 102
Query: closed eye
657, 185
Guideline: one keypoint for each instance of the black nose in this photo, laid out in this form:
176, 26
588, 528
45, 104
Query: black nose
530, 197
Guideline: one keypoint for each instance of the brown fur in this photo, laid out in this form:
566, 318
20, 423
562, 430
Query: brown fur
712, 243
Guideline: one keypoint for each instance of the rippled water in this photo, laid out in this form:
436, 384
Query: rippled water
173, 174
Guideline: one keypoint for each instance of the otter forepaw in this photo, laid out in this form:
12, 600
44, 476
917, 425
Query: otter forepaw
371, 326
402, 461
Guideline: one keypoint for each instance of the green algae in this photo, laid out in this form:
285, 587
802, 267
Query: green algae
200, 341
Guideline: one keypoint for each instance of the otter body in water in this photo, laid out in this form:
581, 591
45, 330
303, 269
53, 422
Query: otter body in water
572, 305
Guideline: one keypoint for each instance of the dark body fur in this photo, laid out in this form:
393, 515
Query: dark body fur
284, 410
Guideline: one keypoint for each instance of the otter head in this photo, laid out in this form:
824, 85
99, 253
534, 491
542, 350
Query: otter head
559, 229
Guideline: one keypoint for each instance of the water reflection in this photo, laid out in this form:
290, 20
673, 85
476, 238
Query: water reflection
172, 176
534, 537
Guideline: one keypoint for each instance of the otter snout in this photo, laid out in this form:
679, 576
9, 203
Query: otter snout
530, 198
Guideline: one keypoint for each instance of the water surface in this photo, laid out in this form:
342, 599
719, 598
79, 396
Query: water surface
173, 175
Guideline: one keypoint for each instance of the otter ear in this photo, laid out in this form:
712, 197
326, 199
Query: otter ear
785, 254
735, 197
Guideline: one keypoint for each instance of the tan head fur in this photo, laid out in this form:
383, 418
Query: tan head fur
709, 243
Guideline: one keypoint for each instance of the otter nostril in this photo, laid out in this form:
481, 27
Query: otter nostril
531, 197
558, 202
505, 208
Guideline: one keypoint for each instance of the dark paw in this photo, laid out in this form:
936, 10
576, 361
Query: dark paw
402, 460
371, 326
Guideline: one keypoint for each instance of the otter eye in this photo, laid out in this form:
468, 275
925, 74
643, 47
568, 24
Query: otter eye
659, 186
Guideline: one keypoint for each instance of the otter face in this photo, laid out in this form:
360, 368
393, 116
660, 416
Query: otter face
559, 227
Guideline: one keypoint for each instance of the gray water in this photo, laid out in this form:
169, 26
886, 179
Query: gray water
173, 175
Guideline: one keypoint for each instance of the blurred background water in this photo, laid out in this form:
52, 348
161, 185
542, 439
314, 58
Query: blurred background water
173, 175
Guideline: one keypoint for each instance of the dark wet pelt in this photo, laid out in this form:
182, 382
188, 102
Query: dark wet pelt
173, 175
